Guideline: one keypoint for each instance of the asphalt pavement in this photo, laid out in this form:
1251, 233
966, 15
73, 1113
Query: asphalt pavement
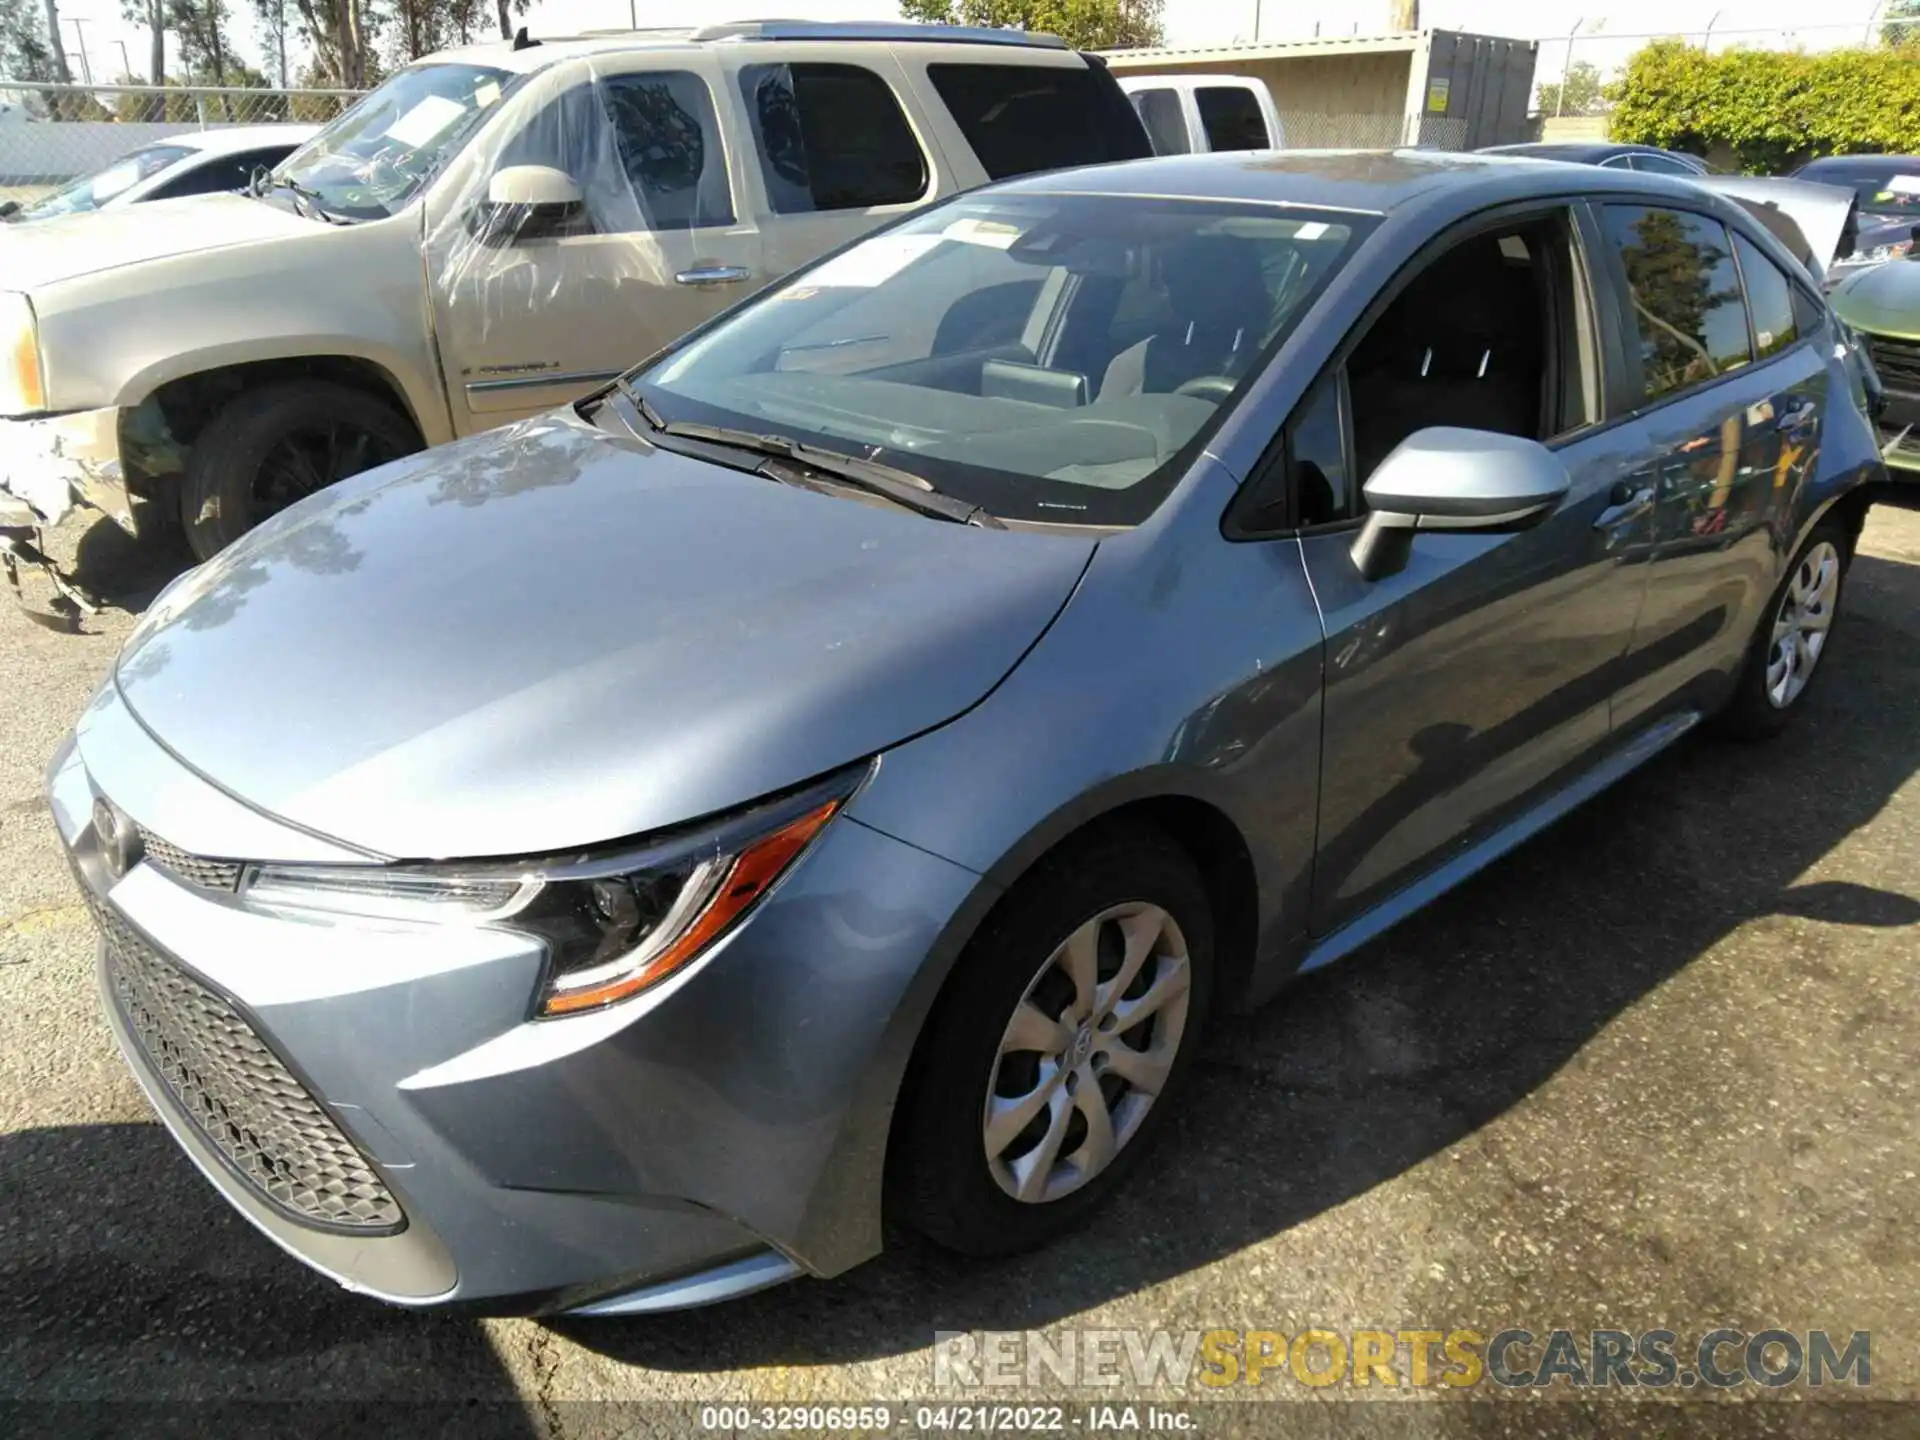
1657, 1070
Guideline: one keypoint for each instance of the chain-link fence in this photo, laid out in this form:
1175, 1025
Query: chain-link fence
50, 134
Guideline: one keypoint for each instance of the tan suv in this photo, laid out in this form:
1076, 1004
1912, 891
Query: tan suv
492, 232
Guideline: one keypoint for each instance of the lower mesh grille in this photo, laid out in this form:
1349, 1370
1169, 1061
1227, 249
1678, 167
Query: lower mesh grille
238, 1094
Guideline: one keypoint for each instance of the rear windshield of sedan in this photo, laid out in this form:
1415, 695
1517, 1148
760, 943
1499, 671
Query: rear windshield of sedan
1048, 357
1886, 187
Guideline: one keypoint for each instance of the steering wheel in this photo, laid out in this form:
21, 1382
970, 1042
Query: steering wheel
1217, 388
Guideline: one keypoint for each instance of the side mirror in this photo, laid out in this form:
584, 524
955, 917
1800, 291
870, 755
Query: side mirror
529, 202
8, 209
1443, 478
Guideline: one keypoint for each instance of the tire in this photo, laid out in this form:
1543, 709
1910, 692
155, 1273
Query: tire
272, 446
942, 1181
1807, 604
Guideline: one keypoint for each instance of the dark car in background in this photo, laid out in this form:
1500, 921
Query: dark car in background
1648, 158
1887, 191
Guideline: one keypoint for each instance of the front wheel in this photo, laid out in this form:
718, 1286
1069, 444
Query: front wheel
1793, 637
1052, 1057
272, 446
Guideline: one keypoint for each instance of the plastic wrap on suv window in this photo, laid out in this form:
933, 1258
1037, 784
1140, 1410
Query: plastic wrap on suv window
644, 149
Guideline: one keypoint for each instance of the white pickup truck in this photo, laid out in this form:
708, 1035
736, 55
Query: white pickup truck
493, 232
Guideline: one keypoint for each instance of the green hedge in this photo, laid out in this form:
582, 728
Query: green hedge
1773, 108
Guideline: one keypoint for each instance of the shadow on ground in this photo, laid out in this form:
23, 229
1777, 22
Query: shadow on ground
1361, 1071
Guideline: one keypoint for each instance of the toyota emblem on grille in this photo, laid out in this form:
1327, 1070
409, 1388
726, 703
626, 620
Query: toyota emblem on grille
119, 837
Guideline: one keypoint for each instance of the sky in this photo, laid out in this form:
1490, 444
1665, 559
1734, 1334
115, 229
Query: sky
1609, 29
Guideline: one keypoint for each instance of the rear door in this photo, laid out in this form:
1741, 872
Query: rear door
833, 147
535, 314
1732, 393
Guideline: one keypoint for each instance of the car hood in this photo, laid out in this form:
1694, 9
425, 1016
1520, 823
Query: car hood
1819, 212
68, 246
545, 637
1882, 299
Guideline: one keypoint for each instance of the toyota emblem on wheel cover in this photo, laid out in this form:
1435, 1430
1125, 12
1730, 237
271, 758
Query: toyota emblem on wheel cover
119, 838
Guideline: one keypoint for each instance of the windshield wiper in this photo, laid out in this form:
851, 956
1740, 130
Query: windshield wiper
306, 201
903, 487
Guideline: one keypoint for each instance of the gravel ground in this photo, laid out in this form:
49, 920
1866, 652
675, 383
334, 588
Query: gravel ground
1656, 1070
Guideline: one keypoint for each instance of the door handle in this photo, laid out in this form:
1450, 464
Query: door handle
712, 275
1626, 502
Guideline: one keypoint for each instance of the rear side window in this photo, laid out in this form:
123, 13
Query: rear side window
1166, 122
230, 172
669, 147
1230, 114
831, 137
1769, 300
1661, 165
1022, 118
1684, 293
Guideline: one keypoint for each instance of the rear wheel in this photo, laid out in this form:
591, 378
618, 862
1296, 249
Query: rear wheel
1793, 637
1049, 1064
273, 446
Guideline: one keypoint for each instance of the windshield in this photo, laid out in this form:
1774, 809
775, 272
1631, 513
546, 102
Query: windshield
372, 160
90, 192
1046, 357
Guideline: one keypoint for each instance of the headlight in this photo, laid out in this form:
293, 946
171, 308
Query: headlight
614, 923
22, 387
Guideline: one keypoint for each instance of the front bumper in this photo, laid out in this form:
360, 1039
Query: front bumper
55, 462
705, 1138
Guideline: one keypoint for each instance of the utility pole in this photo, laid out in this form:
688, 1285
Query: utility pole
1404, 15
126, 62
86, 67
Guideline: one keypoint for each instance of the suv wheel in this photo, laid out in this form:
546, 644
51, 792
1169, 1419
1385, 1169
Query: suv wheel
1051, 1059
278, 444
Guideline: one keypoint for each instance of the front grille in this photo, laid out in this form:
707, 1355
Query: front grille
194, 869
274, 1134
1898, 362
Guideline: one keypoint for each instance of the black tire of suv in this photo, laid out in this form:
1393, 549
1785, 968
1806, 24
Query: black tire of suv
218, 503
939, 1183
1751, 714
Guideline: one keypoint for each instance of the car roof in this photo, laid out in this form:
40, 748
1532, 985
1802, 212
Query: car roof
1375, 182
542, 52
230, 139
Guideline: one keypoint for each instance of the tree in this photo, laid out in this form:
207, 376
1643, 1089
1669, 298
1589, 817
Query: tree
1084, 24
271, 16
55, 46
24, 54
153, 15
1900, 36
1581, 93
341, 34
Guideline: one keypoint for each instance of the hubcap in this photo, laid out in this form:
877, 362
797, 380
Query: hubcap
1800, 628
1087, 1052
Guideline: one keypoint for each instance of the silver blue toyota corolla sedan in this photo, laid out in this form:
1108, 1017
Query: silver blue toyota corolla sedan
832, 773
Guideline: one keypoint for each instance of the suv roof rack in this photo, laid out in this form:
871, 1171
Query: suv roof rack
875, 30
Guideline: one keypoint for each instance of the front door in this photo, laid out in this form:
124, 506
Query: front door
1475, 681
534, 310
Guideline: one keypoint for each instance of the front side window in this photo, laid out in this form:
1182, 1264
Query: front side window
1023, 118
831, 137
1685, 295
1165, 119
1230, 114
375, 158
90, 192
1048, 357
669, 147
